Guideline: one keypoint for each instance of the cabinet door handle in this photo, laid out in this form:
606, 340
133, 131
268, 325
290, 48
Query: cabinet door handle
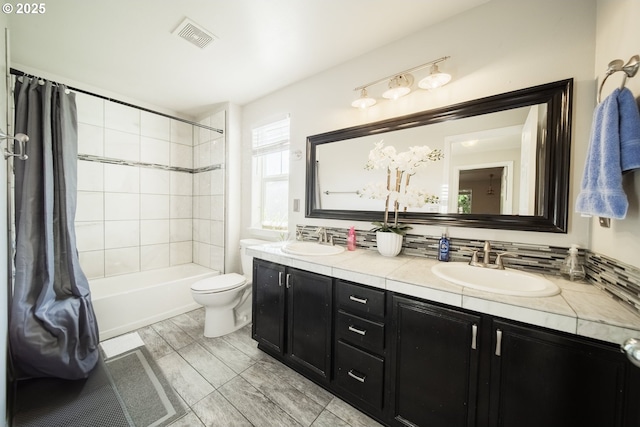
498, 342
288, 281
356, 299
357, 377
280, 278
362, 332
474, 336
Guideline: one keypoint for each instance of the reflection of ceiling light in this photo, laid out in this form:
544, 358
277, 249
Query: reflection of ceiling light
490, 189
400, 83
365, 101
435, 79
398, 86
469, 143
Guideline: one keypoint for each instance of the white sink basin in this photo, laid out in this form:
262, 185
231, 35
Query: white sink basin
311, 249
507, 282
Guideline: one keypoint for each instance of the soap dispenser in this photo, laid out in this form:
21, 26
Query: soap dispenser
572, 268
443, 247
351, 239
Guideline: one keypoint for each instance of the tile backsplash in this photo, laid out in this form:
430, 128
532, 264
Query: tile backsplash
528, 257
621, 281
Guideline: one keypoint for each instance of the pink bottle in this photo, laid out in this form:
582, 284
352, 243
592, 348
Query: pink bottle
351, 239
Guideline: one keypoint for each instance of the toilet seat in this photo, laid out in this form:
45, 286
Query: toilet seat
220, 283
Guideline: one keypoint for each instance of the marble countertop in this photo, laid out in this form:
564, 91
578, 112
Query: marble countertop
580, 308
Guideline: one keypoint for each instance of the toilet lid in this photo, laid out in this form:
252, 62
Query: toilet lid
219, 283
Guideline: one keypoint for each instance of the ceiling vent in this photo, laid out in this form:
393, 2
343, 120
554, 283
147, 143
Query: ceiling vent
194, 33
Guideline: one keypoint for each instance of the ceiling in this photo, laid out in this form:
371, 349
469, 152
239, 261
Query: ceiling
127, 47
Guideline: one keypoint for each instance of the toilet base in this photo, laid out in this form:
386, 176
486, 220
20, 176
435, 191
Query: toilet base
218, 323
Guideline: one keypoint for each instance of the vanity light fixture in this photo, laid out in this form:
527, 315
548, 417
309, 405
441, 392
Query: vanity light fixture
365, 101
399, 84
435, 79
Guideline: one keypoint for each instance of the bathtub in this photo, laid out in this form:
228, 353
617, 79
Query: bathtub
130, 301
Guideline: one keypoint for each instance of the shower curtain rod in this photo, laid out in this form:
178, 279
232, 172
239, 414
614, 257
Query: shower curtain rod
220, 131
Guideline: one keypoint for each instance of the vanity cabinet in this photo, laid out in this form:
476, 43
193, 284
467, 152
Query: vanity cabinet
435, 363
292, 313
410, 362
544, 378
360, 354
452, 368
268, 306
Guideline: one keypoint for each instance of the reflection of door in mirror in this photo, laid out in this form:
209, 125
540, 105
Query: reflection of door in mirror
482, 191
517, 144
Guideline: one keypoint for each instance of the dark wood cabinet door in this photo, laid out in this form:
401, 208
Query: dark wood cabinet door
268, 305
542, 378
309, 298
434, 377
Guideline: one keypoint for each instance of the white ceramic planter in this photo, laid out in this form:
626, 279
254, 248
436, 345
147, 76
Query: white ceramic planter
389, 244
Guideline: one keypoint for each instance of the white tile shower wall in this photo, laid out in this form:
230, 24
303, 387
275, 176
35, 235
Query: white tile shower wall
208, 193
130, 217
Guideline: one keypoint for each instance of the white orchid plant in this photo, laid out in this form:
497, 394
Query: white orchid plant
402, 166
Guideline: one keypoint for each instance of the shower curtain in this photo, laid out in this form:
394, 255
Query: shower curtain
52, 326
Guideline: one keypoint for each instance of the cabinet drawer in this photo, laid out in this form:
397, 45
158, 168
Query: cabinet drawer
359, 373
360, 300
361, 332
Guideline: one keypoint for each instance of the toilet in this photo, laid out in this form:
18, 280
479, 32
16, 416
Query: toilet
227, 298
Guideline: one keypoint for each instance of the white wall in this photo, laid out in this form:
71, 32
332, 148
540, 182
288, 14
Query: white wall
4, 234
501, 46
617, 35
233, 189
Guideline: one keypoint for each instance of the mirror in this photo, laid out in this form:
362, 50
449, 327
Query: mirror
505, 165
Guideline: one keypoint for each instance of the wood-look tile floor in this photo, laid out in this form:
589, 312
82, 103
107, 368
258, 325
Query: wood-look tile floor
228, 382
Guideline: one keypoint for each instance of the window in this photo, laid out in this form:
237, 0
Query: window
270, 176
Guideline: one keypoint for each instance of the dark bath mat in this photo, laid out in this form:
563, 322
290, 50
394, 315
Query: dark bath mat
127, 390
53, 402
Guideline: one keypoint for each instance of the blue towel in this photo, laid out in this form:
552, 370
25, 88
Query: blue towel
629, 131
601, 190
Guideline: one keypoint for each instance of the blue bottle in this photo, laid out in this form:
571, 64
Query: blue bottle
443, 248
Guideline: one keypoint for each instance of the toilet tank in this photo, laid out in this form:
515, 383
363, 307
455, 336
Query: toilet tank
246, 260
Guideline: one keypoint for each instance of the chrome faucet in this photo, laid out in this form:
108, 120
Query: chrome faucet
486, 259
487, 253
321, 232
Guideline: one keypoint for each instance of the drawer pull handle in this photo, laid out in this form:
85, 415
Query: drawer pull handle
356, 376
474, 336
356, 299
362, 332
498, 342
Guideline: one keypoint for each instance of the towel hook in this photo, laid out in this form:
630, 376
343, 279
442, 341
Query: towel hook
22, 139
630, 69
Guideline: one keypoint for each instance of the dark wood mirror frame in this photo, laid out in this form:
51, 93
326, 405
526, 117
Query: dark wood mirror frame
553, 187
